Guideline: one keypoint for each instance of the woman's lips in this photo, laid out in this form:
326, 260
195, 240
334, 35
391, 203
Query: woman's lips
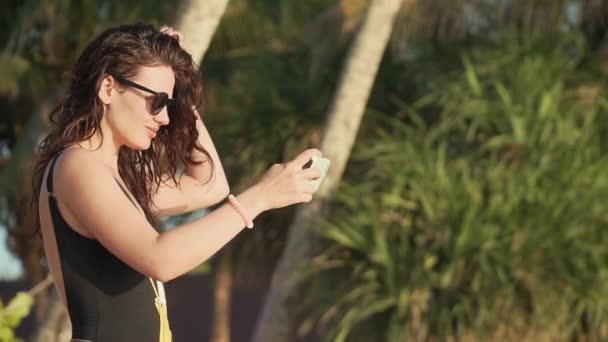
151, 132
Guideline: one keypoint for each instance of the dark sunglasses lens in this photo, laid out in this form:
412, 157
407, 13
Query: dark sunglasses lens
159, 102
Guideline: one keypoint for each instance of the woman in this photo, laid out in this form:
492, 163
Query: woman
110, 166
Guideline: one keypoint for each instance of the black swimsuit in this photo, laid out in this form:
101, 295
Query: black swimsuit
107, 300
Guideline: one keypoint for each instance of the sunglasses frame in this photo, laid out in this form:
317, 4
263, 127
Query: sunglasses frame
166, 101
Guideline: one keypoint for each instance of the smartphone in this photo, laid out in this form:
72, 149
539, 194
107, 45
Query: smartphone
323, 165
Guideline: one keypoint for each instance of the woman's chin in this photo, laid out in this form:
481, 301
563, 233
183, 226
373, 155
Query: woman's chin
144, 147
140, 145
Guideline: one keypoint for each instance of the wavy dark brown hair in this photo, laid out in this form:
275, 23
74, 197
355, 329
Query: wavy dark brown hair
121, 52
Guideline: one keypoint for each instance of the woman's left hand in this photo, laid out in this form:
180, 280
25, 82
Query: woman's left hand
174, 33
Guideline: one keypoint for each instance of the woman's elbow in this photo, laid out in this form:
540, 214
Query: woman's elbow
160, 267
211, 196
167, 271
223, 192
164, 273
220, 191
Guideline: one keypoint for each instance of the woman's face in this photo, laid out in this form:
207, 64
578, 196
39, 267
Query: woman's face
128, 113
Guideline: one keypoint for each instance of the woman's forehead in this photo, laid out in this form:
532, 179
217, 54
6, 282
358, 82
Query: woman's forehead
158, 77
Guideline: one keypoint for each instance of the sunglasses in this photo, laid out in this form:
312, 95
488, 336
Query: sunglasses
160, 99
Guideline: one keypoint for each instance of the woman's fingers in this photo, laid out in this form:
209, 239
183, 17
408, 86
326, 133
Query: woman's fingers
287, 184
303, 158
308, 189
180, 37
173, 33
310, 173
305, 198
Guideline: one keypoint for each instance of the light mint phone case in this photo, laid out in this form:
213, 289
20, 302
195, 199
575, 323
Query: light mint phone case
322, 164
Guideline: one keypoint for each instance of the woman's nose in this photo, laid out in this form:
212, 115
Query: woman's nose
162, 118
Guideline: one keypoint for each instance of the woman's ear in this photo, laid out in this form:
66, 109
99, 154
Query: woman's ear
106, 89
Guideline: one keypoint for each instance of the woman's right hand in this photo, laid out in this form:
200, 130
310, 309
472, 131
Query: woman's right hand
287, 184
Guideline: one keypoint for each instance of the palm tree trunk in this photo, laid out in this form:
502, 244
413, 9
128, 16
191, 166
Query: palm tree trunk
198, 20
343, 120
221, 299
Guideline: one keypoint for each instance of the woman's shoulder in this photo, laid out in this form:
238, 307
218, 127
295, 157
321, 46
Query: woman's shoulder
76, 166
75, 158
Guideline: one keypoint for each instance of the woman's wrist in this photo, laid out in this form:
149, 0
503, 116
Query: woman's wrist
242, 212
251, 202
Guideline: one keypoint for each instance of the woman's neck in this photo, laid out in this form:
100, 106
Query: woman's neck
105, 150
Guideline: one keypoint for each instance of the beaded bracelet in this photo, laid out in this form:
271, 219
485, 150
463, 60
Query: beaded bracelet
240, 210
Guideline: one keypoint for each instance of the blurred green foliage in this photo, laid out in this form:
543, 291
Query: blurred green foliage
479, 210
12, 314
